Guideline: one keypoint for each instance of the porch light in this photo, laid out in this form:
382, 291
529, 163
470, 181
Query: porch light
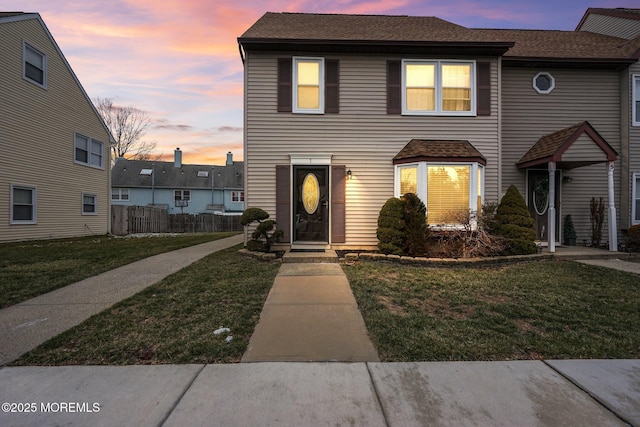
349, 174
567, 180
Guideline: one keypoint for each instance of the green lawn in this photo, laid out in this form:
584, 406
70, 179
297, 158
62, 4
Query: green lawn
172, 321
540, 310
29, 269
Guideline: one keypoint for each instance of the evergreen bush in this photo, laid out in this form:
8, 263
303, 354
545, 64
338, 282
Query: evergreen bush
416, 228
568, 231
391, 227
265, 234
513, 222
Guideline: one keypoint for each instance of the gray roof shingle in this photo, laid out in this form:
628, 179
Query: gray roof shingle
126, 174
298, 28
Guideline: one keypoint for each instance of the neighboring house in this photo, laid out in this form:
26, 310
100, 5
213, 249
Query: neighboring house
179, 188
54, 173
624, 23
345, 111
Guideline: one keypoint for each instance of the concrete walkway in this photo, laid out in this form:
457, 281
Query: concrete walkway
26, 325
517, 393
616, 264
310, 315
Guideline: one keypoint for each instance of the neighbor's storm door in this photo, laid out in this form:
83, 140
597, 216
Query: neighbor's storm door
538, 201
311, 204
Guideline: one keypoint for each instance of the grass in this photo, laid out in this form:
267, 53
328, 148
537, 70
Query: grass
542, 310
172, 321
29, 269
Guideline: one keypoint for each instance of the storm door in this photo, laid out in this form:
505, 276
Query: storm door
538, 201
311, 204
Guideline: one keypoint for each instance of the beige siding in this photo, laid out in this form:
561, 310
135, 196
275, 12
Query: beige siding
612, 26
362, 137
37, 142
634, 140
579, 95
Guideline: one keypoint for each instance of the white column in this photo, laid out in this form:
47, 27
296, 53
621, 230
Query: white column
551, 226
613, 229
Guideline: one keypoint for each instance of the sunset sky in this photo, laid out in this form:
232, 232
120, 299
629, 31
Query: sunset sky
179, 60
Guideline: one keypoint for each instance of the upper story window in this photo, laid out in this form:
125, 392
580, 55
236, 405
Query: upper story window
636, 100
182, 195
308, 85
34, 65
544, 83
119, 194
237, 196
88, 151
23, 204
438, 88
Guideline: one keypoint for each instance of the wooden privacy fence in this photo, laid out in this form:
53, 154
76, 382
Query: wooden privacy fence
144, 219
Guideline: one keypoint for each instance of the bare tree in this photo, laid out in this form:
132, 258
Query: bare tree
128, 126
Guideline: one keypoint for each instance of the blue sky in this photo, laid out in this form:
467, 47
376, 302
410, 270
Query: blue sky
179, 61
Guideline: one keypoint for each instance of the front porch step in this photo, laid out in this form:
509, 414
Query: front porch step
328, 255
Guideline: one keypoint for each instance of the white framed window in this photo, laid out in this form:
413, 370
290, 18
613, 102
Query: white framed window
635, 202
89, 204
237, 196
182, 195
308, 85
445, 88
88, 151
119, 194
636, 99
448, 190
23, 202
544, 83
34, 65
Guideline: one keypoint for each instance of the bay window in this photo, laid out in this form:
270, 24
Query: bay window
450, 191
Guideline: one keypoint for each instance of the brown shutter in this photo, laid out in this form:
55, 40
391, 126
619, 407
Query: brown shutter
484, 88
338, 199
394, 87
283, 207
284, 85
331, 86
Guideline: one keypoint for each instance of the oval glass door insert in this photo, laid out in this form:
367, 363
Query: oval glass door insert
310, 193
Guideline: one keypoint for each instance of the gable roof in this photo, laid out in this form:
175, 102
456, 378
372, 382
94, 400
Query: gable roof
620, 12
9, 17
426, 150
126, 174
363, 33
551, 147
426, 34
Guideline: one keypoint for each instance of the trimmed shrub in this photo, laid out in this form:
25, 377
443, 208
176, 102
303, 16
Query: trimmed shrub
391, 227
265, 234
633, 238
416, 228
513, 222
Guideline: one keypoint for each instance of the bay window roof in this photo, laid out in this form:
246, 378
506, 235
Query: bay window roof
424, 150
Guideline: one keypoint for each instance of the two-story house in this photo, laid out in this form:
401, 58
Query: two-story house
54, 167
625, 24
345, 111
179, 187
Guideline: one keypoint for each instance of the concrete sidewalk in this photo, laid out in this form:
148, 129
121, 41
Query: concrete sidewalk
310, 315
516, 393
616, 264
28, 324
